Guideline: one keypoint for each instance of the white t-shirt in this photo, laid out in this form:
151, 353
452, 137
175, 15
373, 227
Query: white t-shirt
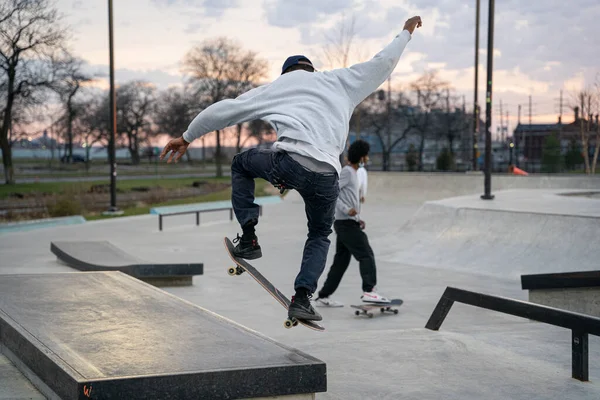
362, 182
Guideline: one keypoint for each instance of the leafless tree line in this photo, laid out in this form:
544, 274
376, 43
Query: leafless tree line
39, 75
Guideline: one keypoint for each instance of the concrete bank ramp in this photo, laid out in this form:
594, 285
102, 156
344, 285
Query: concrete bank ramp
520, 231
104, 256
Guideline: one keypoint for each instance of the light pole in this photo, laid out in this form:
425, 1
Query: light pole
475, 105
113, 119
488, 107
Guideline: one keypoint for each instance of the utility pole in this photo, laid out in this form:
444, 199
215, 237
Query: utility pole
517, 140
475, 105
488, 107
507, 127
529, 111
113, 118
501, 124
560, 127
524, 134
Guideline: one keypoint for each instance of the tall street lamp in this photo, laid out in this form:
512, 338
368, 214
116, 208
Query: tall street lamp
488, 107
113, 119
475, 105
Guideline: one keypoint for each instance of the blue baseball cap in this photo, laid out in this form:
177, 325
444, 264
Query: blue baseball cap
294, 60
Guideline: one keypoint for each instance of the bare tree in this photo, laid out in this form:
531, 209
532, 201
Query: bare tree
453, 121
69, 81
597, 137
173, 111
30, 32
340, 51
259, 131
91, 122
428, 90
134, 108
584, 104
374, 115
218, 69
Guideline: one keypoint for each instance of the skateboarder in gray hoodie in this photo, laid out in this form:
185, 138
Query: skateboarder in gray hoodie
310, 111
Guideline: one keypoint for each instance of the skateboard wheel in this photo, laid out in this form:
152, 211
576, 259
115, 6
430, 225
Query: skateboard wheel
288, 324
395, 311
231, 271
357, 312
382, 309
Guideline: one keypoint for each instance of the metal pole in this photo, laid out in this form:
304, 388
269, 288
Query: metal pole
113, 115
517, 139
389, 124
475, 105
488, 107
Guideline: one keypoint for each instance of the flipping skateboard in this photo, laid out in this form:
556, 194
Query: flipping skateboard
243, 266
383, 307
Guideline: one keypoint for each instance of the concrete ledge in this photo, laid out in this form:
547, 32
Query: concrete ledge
572, 291
561, 280
581, 300
104, 256
104, 335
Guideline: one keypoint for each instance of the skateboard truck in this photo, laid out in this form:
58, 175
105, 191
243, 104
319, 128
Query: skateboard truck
235, 270
290, 323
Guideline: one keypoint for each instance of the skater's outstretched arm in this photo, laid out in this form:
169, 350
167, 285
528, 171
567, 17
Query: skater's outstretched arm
225, 113
217, 116
362, 79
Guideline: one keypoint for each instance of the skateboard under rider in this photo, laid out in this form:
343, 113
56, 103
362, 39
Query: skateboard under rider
244, 266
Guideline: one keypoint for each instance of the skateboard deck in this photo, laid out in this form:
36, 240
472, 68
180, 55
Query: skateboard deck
383, 307
243, 266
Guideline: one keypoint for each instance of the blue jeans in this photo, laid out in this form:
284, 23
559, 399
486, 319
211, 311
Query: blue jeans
319, 191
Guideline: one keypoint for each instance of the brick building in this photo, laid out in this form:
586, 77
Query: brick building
529, 139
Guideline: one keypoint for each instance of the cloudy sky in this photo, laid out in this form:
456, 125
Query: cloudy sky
540, 46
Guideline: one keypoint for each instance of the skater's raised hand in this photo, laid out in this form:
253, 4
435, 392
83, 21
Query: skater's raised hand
412, 23
177, 147
362, 224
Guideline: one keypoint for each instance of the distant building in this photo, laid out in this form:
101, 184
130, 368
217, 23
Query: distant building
530, 139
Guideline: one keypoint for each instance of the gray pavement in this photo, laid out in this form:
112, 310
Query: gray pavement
477, 354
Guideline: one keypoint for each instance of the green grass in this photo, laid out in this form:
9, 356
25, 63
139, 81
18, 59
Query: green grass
260, 190
80, 187
102, 174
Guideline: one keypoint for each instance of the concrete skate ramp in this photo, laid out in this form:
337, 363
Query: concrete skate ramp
106, 335
403, 187
104, 256
518, 232
394, 188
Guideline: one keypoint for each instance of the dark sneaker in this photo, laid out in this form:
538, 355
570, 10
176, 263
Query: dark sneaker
247, 247
300, 308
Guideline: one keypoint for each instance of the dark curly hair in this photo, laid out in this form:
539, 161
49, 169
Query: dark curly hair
358, 149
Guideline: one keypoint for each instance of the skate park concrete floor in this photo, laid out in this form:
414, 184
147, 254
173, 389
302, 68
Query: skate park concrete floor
477, 354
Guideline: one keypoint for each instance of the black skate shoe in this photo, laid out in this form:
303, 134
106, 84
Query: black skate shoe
248, 247
300, 308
